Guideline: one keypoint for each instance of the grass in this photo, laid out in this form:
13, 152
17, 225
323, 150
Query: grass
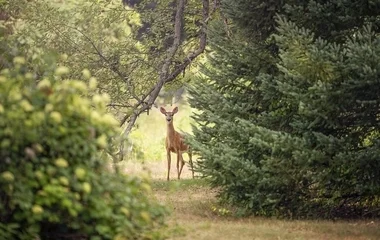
196, 215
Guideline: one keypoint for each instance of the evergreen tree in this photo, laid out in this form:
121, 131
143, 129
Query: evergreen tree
289, 118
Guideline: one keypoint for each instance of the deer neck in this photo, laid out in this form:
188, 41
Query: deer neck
170, 130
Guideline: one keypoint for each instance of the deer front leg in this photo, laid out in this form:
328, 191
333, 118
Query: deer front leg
169, 160
178, 159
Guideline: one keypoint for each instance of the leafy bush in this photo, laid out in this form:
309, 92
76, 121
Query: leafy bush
54, 183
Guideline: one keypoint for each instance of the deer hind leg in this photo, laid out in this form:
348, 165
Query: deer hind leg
191, 162
169, 161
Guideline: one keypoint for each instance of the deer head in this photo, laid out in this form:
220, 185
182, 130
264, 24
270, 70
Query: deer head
169, 115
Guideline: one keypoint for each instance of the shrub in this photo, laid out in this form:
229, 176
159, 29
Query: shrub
54, 183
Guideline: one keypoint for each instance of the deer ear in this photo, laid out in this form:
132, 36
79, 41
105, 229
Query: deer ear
163, 111
175, 110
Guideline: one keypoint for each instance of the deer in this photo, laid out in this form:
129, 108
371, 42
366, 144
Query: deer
175, 143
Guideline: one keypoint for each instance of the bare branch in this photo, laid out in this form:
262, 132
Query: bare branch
201, 48
119, 105
177, 39
165, 75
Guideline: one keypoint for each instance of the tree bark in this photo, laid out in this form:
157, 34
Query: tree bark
167, 75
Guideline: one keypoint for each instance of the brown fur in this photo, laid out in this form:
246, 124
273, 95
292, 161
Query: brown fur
175, 143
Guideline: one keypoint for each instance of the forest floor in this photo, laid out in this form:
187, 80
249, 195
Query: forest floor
196, 214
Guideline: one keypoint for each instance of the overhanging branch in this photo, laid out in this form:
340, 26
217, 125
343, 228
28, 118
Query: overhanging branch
165, 75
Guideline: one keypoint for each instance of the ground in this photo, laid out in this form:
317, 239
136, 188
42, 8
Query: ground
195, 214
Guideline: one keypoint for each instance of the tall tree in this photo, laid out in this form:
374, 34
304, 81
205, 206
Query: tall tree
289, 117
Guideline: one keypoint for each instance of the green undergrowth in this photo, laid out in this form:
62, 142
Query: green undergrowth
181, 185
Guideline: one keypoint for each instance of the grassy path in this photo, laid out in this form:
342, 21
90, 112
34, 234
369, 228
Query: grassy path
192, 204
193, 216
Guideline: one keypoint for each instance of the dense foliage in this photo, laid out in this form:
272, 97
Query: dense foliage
133, 49
97, 35
289, 121
55, 181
